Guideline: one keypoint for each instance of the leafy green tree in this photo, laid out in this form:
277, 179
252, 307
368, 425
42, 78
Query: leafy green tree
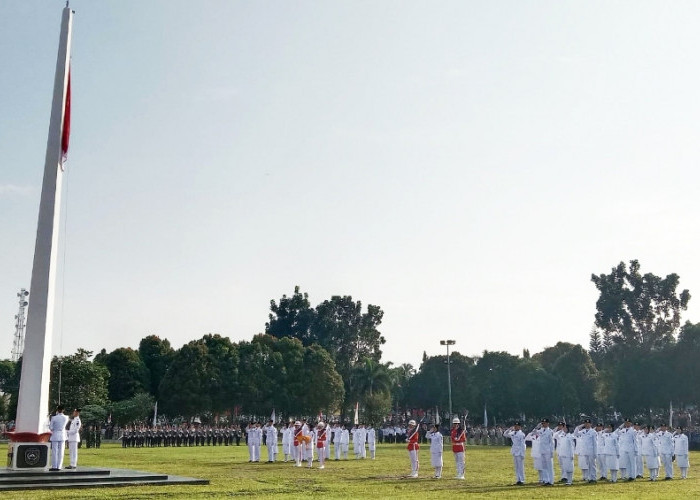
221, 372
183, 390
324, 387
494, 376
128, 374
7, 375
93, 414
400, 379
156, 355
686, 369
292, 317
136, 409
376, 406
639, 310
368, 376
429, 386
82, 382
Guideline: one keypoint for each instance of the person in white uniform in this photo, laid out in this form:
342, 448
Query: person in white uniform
517, 449
650, 452
588, 451
371, 441
546, 441
344, 441
57, 426
600, 447
665, 440
535, 453
680, 449
566, 447
628, 450
436, 445
271, 440
74, 439
611, 451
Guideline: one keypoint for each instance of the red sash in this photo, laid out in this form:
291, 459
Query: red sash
297, 434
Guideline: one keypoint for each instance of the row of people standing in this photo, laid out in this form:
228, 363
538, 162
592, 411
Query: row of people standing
603, 450
363, 439
177, 436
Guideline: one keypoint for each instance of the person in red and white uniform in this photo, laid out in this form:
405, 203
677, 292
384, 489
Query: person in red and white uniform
413, 446
321, 439
458, 435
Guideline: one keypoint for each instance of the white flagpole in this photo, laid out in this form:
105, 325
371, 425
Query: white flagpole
155, 414
33, 402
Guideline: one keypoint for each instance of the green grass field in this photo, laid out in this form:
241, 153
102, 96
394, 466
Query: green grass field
489, 475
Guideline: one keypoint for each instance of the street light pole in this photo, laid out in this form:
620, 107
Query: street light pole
448, 343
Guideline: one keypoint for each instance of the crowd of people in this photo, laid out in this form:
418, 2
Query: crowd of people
603, 452
610, 452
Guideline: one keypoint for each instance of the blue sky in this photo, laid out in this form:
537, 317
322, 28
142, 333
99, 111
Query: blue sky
465, 165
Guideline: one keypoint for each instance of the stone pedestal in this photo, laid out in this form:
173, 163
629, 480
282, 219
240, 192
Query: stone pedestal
24, 456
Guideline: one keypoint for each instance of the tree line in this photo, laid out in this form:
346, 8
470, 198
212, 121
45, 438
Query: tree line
327, 358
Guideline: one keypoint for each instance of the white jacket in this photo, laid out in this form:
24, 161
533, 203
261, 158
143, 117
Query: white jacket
74, 431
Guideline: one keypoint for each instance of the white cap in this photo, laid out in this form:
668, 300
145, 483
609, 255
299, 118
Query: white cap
297, 423
411, 422
320, 425
455, 420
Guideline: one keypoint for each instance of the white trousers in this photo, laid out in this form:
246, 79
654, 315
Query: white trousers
73, 453
667, 463
459, 461
57, 450
519, 464
271, 452
547, 468
413, 455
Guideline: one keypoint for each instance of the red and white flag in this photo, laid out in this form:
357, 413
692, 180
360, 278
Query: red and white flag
65, 129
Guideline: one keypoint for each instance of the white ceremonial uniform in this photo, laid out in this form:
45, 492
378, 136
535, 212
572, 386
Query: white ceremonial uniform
250, 434
271, 442
57, 426
628, 452
309, 446
336, 440
517, 449
287, 442
650, 452
362, 441
73, 440
355, 444
680, 449
666, 452
611, 450
535, 454
546, 454
566, 449
588, 449
640, 464
600, 456
436, 445
344, 443
371, 442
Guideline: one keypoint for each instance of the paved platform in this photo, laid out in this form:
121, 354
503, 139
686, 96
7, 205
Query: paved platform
86, 477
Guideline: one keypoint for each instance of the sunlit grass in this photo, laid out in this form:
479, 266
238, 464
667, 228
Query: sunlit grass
489, 475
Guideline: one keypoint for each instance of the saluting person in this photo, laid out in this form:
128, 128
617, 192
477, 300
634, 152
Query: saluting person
517, 449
